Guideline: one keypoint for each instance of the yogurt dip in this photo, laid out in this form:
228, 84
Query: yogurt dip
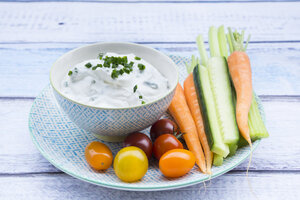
114, 81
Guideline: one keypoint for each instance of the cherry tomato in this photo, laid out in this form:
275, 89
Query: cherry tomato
98, 155
131, 164
165, 143
139, 140
176, 162
161, 127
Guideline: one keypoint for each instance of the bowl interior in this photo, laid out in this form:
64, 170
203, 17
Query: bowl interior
160, 61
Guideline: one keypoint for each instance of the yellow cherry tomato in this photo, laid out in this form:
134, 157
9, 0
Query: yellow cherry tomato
131, 164
98, 155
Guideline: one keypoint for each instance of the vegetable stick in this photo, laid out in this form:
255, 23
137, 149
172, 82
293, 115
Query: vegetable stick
192, 101
182, 115
240, 71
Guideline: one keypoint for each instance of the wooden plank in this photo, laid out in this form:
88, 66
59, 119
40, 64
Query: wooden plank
229, 186
89, 22
279, 152
275, 67
152, 1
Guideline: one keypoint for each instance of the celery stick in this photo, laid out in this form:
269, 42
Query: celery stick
202, 50
218, 160
256, 125
232, 149
222, 42
213, 42
190, 67
229, 43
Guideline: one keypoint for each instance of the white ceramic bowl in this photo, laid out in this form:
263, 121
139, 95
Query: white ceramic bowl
113, 124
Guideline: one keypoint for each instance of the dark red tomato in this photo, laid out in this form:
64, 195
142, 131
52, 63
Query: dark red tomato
161, 127
164, 143
141, 141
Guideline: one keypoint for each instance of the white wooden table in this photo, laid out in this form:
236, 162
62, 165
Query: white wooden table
33, 34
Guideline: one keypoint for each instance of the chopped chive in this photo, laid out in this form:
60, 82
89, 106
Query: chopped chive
115, 74
134, 88
121, 71
141, 66
70, 73
94, 68
88, 65
101, 55
143, 102
99, 65
127, 71
137, 58
140, 97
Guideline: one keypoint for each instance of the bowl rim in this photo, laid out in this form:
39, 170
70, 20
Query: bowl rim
108, 43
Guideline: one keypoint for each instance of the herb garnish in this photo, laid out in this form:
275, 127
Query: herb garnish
143, 102
101, 55
70, 73
114, 63
134, 88
88, 65
141, 66
114, 74
140, 97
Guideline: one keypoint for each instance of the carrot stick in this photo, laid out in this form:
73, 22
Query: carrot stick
240, 71
192, 101
182, 115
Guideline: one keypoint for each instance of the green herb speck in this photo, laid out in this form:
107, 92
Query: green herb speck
140, 97
143, 102
115, 74
134, 88
88, 65
101, 55
70, 73
94, 68
141, 66
137, 58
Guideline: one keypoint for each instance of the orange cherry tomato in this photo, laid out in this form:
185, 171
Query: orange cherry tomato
176, 162
164, 143
98, 155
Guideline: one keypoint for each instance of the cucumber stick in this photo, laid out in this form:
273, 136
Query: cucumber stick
222, 93
209, 113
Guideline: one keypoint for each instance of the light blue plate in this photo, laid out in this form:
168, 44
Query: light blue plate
62, 143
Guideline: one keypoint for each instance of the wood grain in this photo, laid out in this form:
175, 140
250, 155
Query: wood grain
140, 22
18, 155
275, 186
152, 1
275, 67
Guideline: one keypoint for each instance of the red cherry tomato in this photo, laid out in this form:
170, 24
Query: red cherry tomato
139, 140
176, 163
164, 143
161, 127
